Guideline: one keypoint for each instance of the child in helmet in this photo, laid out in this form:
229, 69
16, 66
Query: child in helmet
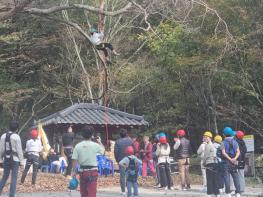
33, 150
131, 163
96, 39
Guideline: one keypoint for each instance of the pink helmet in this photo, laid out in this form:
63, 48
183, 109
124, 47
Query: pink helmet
163, 140
129, 150
181, 133
240, 134
34, 133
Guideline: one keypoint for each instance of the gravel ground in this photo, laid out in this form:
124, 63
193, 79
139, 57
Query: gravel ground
115, 191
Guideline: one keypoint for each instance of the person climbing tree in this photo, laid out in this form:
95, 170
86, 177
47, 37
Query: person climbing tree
96, 39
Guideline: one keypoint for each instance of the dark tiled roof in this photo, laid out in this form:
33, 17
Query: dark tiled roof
87, 113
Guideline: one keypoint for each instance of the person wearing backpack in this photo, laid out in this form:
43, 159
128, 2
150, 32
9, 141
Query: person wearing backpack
11, 156
230, 155
119, 153
131, 164
241, 159
33, 150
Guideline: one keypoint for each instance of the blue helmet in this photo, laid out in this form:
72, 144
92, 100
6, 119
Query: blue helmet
228, 131
73, 183
233, 133
162, 134
93, 30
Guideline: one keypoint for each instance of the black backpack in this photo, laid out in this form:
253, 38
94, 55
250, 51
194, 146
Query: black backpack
132, 171
8, 154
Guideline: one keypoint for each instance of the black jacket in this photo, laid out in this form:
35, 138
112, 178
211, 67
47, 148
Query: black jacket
184, 150
243, 150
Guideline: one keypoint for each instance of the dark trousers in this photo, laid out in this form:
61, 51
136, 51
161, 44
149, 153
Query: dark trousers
165, 175
227, 172
68, 153
211, 178
7, 168
220, 175
88, 183
31, 160
103, 47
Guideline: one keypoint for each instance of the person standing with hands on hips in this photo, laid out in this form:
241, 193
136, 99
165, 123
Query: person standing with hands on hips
33, 150
85, 154
131, 164
183, 151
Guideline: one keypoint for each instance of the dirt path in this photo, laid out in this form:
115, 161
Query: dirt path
115, 192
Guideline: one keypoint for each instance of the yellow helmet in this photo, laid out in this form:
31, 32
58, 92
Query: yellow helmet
208, 134
218, 139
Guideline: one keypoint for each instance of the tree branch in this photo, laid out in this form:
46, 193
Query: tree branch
77, 6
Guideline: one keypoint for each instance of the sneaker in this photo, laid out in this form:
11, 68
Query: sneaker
115, 53
157, 186
123, 193
188, 187
238, 195
221, 191
184, 188
171, 188
203, 189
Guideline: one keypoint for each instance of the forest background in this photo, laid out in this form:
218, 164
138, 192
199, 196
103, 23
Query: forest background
193, 64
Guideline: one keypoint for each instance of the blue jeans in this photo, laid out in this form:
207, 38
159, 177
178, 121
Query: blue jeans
7, 168
131, 185
234, 174
122, 178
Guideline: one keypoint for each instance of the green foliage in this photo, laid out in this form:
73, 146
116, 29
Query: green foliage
200, 72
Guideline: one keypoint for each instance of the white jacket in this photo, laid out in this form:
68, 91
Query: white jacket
163, 153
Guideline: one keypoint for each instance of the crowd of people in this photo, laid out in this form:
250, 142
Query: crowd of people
222, 160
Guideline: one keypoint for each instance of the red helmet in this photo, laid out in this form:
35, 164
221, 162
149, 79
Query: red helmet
181, 133
163, 140
34, 133
240, 134
129, 150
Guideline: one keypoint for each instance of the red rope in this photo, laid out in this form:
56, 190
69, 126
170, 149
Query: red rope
106, 121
